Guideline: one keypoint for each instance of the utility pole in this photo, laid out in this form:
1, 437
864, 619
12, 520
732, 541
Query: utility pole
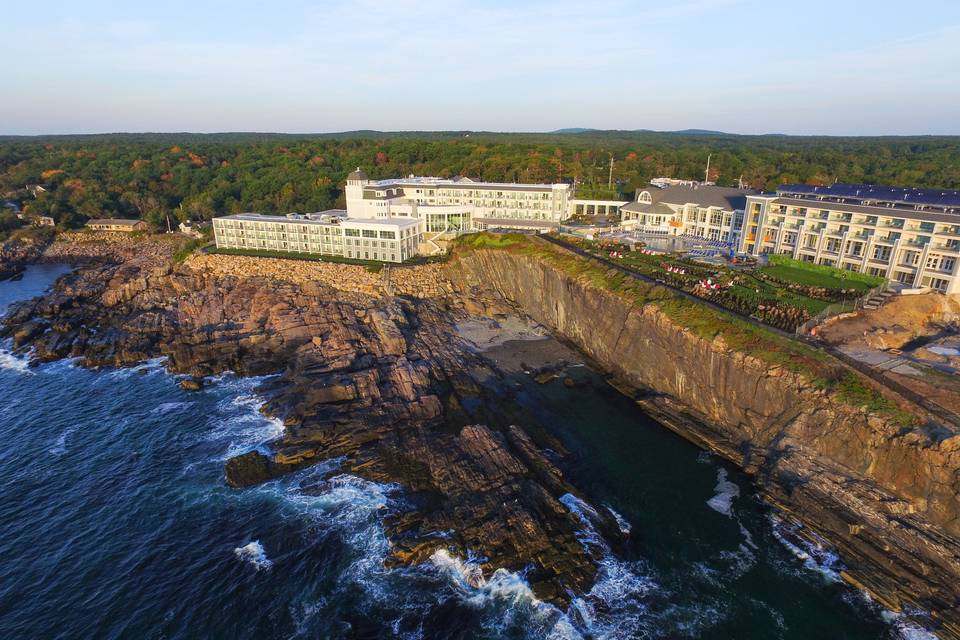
706, 176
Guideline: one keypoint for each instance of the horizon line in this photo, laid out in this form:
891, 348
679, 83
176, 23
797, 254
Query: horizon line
562, 131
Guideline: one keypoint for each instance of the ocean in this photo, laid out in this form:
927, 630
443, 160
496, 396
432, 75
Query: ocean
115, 522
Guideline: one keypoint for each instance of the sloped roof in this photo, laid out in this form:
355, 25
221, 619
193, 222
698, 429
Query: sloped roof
357, 174
727, 198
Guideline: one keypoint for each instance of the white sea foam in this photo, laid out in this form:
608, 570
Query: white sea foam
621, 602
905, 628
617, 604
13, 362
253, 553
504, 597
148, 367
169, 407
816, 555
727, 492
60, 446
351, 507
622, 523
239, 422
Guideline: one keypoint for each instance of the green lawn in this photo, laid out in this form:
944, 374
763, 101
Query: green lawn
817, 275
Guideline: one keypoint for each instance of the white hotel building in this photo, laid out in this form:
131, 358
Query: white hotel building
329, 233
396, 219
458, 205
688, 208
910, 236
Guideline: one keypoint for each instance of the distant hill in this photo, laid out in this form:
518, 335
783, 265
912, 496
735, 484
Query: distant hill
574, 130
703, 132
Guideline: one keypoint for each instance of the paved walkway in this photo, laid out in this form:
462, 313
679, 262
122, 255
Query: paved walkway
881, 360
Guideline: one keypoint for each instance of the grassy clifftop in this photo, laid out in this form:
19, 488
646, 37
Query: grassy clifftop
709, 323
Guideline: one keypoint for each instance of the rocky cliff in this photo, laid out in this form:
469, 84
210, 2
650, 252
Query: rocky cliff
387, 384
19, 251
383, 383
883, 491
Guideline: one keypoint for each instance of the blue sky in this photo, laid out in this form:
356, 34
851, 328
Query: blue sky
745, 66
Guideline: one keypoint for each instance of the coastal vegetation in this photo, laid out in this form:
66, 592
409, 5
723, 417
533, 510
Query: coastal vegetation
164, 178
784, 294
732, 332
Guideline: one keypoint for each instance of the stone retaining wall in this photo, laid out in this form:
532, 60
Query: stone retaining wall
421, 281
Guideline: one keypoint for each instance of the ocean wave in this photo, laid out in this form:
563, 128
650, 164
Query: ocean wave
254, 554
622, 523
239, 422
13, 362
60, 446
505, 599
59, 366
617, 606
348, 504
905, 628
147, 367
168, 407
816, 555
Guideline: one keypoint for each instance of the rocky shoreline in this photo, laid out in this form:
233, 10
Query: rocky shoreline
385, 383
884, 494
388, 372
16, 254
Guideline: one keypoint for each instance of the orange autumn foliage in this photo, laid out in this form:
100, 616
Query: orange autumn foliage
49, 173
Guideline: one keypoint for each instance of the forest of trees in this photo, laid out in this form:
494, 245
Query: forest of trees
195, 176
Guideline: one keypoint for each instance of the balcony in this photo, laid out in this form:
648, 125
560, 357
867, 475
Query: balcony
944, 246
